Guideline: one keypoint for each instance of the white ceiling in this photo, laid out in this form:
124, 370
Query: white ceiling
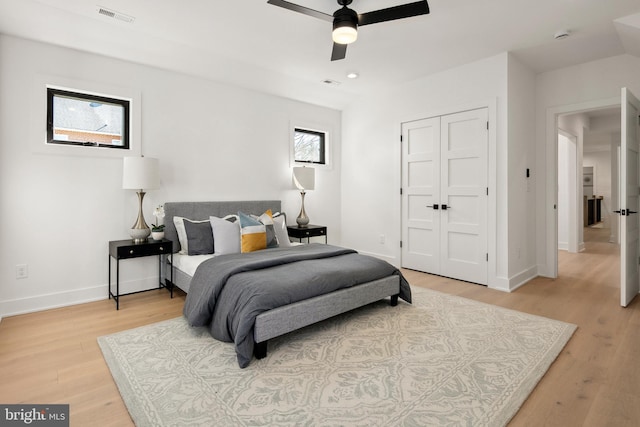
259, 46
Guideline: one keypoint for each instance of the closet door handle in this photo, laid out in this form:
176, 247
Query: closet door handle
445, 207
631, 212
435, 207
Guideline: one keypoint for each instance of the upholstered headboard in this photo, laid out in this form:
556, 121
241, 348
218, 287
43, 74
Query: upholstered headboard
203, 210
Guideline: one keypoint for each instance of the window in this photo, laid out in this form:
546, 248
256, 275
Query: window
75, 118
309, 146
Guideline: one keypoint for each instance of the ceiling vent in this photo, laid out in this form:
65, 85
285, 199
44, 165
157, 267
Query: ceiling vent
115, 15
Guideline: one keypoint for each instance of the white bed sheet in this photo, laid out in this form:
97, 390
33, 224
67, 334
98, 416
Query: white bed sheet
189, 263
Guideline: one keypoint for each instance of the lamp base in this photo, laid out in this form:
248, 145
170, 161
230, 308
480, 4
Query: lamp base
140, 230
139, 235
303, 219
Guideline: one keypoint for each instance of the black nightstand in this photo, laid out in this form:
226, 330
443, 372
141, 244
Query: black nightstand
307, 232
125, 249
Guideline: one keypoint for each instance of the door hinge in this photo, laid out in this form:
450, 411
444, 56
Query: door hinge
400, 243
487, 191
487, 125
487, 256
400, 138
401, 191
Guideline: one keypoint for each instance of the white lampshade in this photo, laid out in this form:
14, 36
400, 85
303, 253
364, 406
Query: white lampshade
344, 35
304, 178
140, 173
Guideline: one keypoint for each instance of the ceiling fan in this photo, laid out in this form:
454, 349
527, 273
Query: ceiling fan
346, 21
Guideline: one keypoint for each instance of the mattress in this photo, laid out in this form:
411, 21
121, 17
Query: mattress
189, 263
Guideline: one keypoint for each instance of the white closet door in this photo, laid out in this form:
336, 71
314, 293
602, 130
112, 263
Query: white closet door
444, 199
463, 230
420, 191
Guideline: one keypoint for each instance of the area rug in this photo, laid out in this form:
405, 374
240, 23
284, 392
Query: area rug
444, 360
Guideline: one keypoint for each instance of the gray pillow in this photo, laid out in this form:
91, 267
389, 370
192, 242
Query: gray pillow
226, 234
199, 237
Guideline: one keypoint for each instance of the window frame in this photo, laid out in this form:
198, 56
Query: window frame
37, 134
125, 103
322, 149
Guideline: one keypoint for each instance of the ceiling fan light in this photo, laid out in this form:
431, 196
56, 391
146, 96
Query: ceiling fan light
345, 34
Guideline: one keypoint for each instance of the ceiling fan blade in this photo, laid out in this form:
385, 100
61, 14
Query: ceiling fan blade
301, 9
395, 12
339, 51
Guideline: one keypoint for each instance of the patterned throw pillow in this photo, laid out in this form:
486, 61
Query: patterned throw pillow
267, 219
280, 226
253, 234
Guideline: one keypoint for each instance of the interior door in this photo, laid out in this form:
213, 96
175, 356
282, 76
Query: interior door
421, 195
629, 198
444, 195
464, 195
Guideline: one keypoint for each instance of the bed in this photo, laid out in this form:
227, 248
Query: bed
250, 298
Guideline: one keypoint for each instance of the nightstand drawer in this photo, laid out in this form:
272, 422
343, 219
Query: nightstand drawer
146, 250
120, 250
307, 232
311, 233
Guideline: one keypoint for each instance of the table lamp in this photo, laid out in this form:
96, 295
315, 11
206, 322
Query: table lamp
304, 179
140, 173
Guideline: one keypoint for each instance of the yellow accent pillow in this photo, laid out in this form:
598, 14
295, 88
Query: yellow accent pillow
253, 234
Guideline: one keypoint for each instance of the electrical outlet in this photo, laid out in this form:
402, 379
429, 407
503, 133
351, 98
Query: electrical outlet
22, 271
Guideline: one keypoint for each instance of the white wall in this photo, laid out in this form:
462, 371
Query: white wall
590, 85
521, 190
214, 142
371, 156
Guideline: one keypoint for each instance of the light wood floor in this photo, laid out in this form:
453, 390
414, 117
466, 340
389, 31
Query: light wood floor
53, 357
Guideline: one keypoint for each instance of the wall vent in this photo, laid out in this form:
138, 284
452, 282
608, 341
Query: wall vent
115, 15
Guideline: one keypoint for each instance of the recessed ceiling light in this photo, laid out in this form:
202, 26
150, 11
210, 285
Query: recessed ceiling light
353, 75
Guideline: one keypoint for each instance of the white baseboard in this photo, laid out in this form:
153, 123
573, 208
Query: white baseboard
521, 278
71, 297
499, 284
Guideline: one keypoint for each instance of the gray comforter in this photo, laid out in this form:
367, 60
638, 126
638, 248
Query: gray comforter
228, 292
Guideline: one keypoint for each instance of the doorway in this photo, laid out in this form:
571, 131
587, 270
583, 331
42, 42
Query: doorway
588, 170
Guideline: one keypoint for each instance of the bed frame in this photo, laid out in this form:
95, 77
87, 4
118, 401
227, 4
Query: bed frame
288, 318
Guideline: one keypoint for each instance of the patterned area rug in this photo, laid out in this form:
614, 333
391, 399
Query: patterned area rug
444, 360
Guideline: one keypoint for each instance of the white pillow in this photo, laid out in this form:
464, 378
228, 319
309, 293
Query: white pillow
280, 227
178, 221
226, 235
